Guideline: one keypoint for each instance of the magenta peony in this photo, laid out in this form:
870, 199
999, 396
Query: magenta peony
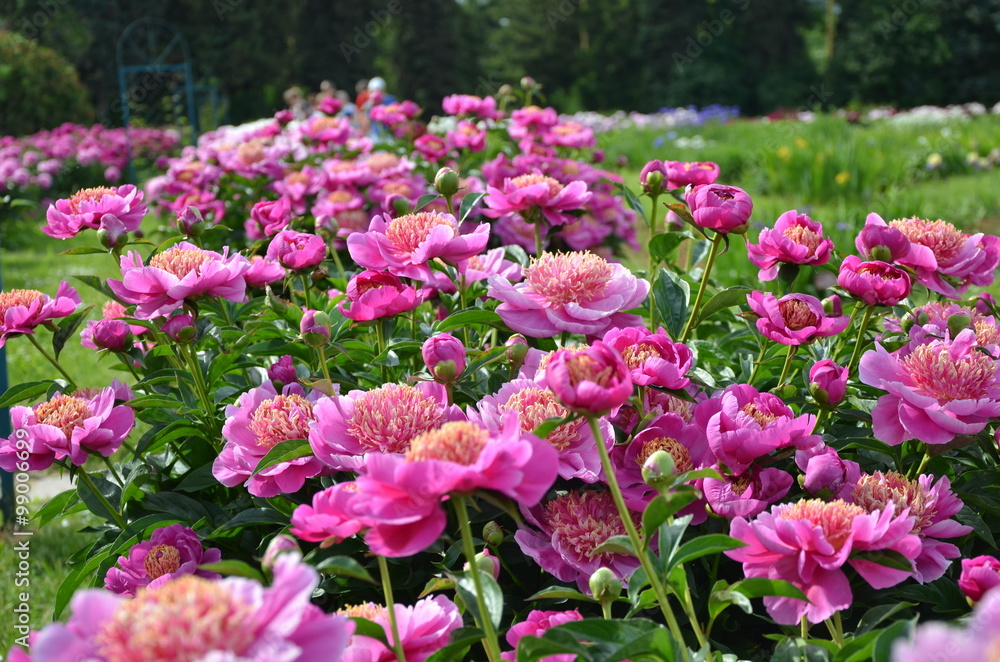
794, 319
67, 217
795, 239
376, 294
725, 209
21, 311
875, 283
979, 576
172, 551
539, 194
594, 380
297, 251
653, 358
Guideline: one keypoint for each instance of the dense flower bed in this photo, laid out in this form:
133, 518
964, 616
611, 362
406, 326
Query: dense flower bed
357, 421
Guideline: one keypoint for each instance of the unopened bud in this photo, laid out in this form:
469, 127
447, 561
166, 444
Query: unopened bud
180, 328
958, 323
881, 253
517, 350
112, 335
528, 83
658, 469
485, 563
190, 222
315, 328
605, 586
280, 544
493, 534
112, 232
446, 182
400, 206
833, 306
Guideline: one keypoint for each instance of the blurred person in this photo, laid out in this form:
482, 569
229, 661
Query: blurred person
326, 89
296, 103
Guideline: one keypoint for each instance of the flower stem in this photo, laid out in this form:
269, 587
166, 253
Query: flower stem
119, 520
305, 291
861, 339
653, 230
538, 239
380, 339
336, 260
756, 365
322, 363
69, 380
637, 543
704, 284
390, 608
923, 463
804, 628
199, 380
836, 628
788, 364
490, 642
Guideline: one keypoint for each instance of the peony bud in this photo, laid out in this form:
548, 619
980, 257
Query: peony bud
827, 383
605, 586
979, 575
493, 534
958, 323
280, 544
399, 204
652, 177
658, 469
190, 222
180, 328
444, 354
446, 182
283, 371
725, 209
315, 327
517, 350
112, 335
485, 562
111, 232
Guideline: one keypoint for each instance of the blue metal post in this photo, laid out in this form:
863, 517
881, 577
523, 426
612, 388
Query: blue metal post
6, 479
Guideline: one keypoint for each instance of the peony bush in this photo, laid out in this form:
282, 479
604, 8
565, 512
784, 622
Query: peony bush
409, 399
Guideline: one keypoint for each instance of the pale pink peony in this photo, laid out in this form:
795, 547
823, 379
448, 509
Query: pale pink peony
808, 542
956, 261
297, 251
794, 319
268, 218
570, 527
263, 271
930, 505
938, 390
743, 424
261, 419
193, 618
466, 104
575, 292
350, 428
182, 272
21, 311
653, 358
534, 404
424, 629
404, 245
795, 239
535, 193
940, 642
171, 552
400, 492
66, 426
67, 217
467, 135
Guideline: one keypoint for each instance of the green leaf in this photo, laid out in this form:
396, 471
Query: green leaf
286, 451
485, 358
75, 578
67, 327
468, 202
233, 568
344, 566
722, 597
84, 250
714, 543
251, 517
857, 649
110, 491
55, 507
546, 427
759, 587
425, 200
889, 558
876, 615
663, 507
460, 641
368, 628
672, 294
469, 318
19, 393
662, 245
633, 202
615, 545
971, 518
492, 595
560, 593
882, 650
732, 296
99, 284
599, 640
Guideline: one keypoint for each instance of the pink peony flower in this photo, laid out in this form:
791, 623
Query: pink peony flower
592, 381
193, 618
466, 104
111, 310
667, 432
875, 283
404, 245
172, 551
956, 260
930, 506
268, 218
332, 517
569, 134
743, 424
182, 272
67, 217
326, 130
725, 209
535, 626
575, 292
570, 528
531, 120
937, 391
808, 542
297, 251
746, 495
878, 241
424, 629
66, 426
21, 311
794, 319
444, 347
349, 428
828, 382
431, 147
681, 174
261, 419
826, 474
939, 642
263, 271
467, 135
979, 575
376, 294
403, 494
534, 404
536, 193
795, 239
653, 358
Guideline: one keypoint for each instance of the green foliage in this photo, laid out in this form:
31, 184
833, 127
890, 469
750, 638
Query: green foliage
38, 88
